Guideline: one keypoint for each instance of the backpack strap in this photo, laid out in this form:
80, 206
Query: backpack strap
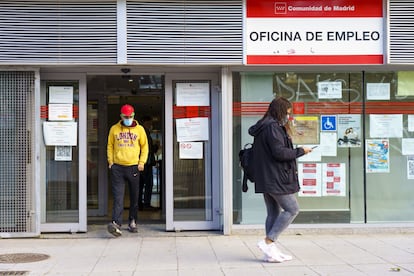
244, 185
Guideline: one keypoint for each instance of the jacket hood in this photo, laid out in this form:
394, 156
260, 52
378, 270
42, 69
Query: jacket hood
255, 129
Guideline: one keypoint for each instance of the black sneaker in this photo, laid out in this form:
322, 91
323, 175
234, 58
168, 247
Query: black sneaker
132, 226
114, 229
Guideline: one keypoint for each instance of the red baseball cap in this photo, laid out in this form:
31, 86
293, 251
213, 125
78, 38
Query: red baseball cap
127, 110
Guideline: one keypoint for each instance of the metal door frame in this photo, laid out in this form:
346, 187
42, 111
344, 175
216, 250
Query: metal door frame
214, 224
81, 225
102, 209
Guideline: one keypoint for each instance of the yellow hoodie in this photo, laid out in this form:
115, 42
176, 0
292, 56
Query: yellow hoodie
127, 146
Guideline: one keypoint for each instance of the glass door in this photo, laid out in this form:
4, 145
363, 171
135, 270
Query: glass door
97, 172
63, 158
192, 179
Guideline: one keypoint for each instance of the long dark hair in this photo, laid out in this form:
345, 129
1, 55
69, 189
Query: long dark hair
278, 109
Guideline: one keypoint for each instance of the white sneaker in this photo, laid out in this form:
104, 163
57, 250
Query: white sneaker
132, 227
285, 257
114, 229
272, 253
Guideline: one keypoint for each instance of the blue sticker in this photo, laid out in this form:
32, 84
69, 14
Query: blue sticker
328, 122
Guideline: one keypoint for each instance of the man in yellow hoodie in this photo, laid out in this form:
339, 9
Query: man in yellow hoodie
127, 152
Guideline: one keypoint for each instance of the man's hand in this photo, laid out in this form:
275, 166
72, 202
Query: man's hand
140, 167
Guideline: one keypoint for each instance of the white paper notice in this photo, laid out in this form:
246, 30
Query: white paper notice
407, 146
330, 90
386, 126
191, 150
60, 133
61, 94
309, 179
410, 167
410, 122
192, 129
60, 112
378, 91
193, 94
314, 155
333, 179
328, 143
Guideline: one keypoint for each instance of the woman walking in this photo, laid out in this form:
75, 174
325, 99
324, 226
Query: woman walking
276, 174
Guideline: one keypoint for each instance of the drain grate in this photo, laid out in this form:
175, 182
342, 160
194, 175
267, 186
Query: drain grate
22, 258
9, 273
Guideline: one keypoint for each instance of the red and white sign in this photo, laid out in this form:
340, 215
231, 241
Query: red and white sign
314, 32
309, 179
333, 179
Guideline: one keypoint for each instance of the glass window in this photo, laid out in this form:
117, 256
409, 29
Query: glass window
389, 138
369, 116
330, 98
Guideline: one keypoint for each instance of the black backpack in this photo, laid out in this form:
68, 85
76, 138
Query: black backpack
246, 163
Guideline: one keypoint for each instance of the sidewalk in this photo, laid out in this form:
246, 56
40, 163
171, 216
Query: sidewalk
208, 253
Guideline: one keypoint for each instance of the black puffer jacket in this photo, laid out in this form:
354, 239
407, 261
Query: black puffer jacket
274, 158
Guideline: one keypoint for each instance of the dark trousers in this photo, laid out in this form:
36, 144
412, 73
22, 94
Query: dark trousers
120, 175
145, 189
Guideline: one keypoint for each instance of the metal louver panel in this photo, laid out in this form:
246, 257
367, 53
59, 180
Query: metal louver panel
64, 32
401, 32
17, 204
185, 32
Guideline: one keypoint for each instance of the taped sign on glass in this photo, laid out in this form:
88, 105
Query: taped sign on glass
191, 150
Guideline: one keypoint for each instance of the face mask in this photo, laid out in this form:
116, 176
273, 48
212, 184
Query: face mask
128, 122
285, 120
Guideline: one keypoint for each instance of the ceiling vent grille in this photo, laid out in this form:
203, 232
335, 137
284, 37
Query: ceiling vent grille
401, 32
58, 32
185, 32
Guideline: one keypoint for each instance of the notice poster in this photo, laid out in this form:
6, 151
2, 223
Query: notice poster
314, 32
407, 146
305, 130
410, 119
386, 125
60, 133
61, 94
333, 179
329, 90
193, 94
410, 167
405, 83
378, 91
349, 130
309, 179
191, 150
377, 155
328, 144
313, 156
60, 112
192, 129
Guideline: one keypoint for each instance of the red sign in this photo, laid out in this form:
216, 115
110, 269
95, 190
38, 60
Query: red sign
314, 32
321, 8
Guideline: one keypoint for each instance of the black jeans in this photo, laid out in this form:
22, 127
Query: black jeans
120, 175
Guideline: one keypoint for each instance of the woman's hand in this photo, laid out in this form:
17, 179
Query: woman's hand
307, 150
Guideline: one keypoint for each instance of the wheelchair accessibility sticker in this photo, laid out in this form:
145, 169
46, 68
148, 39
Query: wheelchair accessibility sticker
328, 123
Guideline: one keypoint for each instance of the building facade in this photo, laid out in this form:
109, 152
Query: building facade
204, 71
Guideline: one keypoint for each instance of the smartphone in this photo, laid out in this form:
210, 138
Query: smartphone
314, 147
